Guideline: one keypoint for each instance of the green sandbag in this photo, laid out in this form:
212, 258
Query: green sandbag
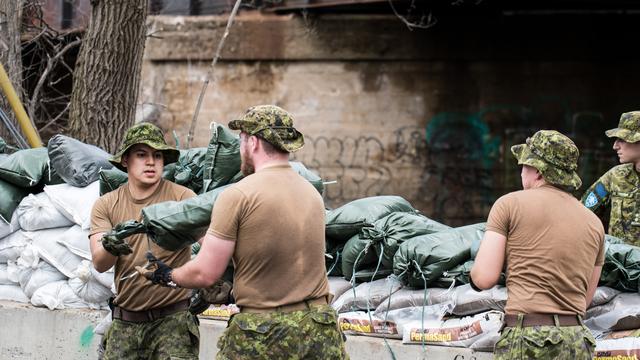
357, 254
621, 269
396, 228
11, 196
28, 168
222, 159
111, 179
346, 221
431, 255
461, 275
176, 224
189, 168
314, 179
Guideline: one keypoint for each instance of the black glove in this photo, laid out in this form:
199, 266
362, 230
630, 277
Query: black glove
157, 271
218, 293
114, 242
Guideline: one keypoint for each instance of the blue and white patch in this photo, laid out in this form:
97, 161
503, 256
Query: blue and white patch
591, 200
601, 190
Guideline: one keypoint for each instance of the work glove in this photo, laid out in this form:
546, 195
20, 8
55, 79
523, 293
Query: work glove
157, 271
114, 242
218, 293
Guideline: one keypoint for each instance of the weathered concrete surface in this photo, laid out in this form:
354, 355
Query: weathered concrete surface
431, 117
28, 333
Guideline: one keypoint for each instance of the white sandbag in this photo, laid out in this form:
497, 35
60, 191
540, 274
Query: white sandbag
621, 313
407, 297
368, 324
12, 245
37, 212
456, 332
338, 286
470, 302
56, 254
58, 295
13, 293
367, 296
103, 325
76, 240
87, 287
4, 276
617, 349
42, 275
9, 228
603, 295
73, 202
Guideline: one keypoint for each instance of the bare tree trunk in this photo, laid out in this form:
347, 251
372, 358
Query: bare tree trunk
10, 55
107, 74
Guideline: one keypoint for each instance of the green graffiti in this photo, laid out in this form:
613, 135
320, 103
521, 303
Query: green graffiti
87, 336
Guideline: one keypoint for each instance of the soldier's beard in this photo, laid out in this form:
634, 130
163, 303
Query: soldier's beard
246, 166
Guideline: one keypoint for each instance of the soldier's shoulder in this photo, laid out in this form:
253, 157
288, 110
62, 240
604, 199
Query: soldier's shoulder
622, 170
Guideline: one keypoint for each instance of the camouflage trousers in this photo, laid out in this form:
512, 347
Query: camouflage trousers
172, 337
545, 342
306, 334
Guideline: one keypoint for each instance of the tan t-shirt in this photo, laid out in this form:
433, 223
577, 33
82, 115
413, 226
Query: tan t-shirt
553, 244
276, 218
138, 293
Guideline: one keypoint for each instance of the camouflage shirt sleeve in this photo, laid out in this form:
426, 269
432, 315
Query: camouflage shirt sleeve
598, 194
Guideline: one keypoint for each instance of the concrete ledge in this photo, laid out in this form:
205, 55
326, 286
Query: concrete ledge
27, 332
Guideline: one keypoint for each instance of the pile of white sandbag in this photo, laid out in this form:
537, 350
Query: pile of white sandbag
44, 251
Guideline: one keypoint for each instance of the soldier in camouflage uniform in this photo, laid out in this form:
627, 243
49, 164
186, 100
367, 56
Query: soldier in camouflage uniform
553, 248
620, 186
271, 224
149, 322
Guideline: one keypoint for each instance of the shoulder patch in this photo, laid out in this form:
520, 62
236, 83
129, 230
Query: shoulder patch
601, 191
591, 200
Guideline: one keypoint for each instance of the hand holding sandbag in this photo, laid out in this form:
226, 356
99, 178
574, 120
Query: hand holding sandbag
114, 242
218, 293
157, 271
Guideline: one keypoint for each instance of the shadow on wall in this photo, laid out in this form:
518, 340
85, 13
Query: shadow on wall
455, 168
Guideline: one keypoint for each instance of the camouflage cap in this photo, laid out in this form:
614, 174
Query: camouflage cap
628, 129
148, 134
271, 123
554, 155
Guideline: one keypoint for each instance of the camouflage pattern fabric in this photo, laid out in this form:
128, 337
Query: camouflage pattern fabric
620, 188
173, 337
271, 123
554, 155
306, 334
148, 134
628, 128
545, 342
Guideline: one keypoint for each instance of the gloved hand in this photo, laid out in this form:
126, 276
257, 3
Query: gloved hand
114, 242
157, 271
218, 293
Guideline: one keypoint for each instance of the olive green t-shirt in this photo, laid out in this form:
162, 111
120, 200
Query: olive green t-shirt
553, 244
138, 293
276, 219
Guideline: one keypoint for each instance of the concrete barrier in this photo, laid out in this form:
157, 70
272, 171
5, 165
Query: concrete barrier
27, 333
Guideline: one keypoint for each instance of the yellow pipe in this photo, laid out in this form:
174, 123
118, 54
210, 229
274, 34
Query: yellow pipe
23, 119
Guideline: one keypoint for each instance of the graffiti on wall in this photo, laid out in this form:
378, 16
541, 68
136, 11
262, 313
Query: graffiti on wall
456, 166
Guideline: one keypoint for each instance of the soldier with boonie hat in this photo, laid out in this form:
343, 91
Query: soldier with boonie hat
553, 250
619, 187
148, 321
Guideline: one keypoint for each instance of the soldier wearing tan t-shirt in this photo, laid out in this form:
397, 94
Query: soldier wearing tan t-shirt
271, 224
553, 248
149, 322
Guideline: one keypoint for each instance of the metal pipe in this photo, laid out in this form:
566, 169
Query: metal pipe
23, 119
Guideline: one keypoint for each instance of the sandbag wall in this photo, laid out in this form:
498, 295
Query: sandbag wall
395, 273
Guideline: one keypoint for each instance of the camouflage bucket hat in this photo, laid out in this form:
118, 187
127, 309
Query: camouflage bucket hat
554, 155
628, 129
148, 134
271, 123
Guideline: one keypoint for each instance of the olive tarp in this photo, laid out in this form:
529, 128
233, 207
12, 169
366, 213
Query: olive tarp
346, 221
431, 255
621, 269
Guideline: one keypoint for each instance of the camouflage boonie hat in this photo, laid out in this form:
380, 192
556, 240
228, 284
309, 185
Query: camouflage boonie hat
148, 134
271, 123
554, 155
628, 129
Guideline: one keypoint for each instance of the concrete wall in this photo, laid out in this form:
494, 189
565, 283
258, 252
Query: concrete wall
428, 115
28, 333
